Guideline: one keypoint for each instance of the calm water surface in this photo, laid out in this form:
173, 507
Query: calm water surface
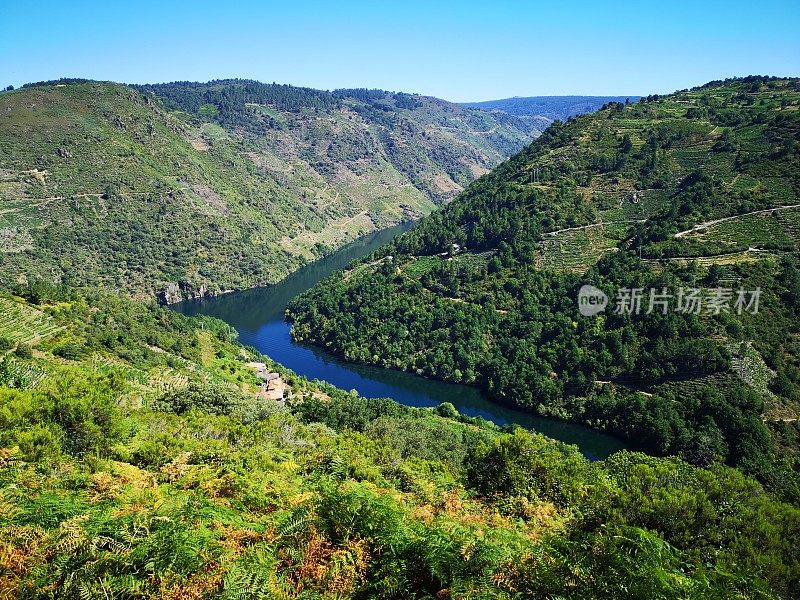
258, 316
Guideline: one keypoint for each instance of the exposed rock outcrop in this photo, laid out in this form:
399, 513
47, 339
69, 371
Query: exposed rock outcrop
178, 292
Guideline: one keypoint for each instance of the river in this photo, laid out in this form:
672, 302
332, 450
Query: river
258, 316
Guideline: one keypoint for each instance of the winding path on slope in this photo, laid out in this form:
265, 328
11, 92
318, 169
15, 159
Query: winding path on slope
590, 225
707, 224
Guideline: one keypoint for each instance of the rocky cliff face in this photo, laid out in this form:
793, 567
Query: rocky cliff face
178, 292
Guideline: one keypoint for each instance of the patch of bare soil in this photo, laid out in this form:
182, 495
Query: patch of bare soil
199, 143
444, 184
209, 196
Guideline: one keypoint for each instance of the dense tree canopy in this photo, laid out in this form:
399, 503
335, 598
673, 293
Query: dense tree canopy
471, 295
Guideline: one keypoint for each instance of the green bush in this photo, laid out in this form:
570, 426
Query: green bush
522, 464
216, 400
23, 351
447, 410
78, 410
69, 351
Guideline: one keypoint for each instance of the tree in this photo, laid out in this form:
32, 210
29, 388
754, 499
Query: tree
626, 145
521, 464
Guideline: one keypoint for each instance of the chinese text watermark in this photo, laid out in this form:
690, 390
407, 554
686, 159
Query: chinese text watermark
687, 301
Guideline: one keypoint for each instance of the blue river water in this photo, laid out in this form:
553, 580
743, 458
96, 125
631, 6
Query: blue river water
258, 316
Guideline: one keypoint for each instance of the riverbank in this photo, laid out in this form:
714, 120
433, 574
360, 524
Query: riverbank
258, 316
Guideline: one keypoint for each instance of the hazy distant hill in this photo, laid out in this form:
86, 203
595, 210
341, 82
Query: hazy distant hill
196, 188
550, 107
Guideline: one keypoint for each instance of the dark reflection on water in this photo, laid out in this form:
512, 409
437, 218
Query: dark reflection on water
258, 316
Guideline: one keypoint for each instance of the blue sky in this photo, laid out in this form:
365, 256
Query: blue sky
455, 50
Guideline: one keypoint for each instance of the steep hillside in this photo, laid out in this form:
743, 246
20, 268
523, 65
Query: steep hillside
549, 107
345, 135
485, 291
101, 185
137, 461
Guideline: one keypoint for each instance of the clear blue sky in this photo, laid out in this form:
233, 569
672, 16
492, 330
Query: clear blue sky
455, 50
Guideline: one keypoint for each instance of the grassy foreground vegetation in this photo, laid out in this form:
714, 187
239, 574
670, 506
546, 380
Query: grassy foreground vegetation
484, 292
142, 466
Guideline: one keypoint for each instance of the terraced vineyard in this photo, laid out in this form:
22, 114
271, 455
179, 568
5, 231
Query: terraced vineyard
748, 364
421, 265
144, 385
20, 374
103, 363
575, 251
775, 228
686, 390
21, 323
723, 259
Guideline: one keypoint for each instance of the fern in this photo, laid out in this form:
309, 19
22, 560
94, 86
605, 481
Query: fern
296, 523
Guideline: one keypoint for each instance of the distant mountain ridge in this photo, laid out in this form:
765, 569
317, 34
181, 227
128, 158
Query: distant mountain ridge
185, 189
550, 107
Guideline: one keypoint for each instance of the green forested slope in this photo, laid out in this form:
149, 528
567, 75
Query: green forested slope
485, 290
140, 465
437, 145
103, 185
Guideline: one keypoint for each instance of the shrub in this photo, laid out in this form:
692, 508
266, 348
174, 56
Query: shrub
216, 400
447, 410
521, 464
24, 351
69, 351
75, 411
